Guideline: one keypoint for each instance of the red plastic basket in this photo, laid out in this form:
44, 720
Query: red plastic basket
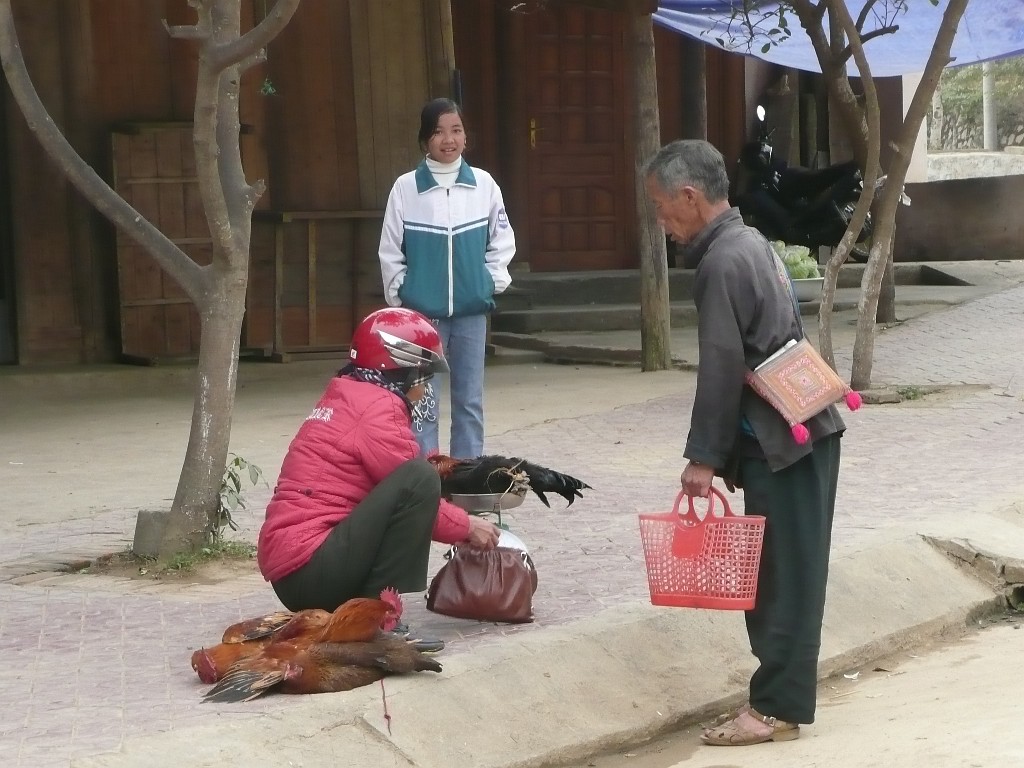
703, 563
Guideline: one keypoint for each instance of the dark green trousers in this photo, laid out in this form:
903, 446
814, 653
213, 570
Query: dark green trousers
384, 542
785, 625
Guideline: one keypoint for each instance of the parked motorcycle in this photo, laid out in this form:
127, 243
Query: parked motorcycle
800, 206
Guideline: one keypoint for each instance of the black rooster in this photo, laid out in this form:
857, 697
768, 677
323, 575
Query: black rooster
500, 474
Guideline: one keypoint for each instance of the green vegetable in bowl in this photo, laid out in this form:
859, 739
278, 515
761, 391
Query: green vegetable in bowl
798, 260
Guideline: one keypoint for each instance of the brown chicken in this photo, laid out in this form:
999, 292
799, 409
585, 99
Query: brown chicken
500, 474
319, 668
357, 620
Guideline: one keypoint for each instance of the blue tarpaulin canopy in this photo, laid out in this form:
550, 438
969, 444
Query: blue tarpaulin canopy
989, 29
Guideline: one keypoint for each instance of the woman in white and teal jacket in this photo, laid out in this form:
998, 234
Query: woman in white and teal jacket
444, 251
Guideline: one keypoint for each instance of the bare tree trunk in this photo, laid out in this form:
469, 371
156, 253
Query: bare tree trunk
195, 500
843, 25
655, 316
886, 311
864, 346
833, 71
217, 290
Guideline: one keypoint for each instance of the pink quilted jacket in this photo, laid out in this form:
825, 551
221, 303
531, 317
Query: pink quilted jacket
355, 437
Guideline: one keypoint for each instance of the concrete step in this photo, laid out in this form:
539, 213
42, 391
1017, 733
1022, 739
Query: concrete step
593, 317
531, 290
609, 300
609, 317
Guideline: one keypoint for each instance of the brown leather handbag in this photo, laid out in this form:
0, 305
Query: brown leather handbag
484, 584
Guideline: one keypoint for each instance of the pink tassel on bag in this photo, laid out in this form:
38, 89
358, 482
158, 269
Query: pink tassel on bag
801, 434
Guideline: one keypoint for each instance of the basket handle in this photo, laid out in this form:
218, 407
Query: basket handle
691, 514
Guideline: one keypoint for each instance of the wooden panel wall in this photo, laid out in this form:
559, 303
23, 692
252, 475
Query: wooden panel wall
154, 170
391, 85
8, 352
668, 52
336, 142
310, 122
486, 103
95, 63
726, 110
59, 315
142, 75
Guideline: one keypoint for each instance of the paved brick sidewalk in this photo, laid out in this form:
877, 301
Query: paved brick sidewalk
88, 662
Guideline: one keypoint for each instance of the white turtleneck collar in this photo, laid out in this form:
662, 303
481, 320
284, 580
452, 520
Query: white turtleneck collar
444, 173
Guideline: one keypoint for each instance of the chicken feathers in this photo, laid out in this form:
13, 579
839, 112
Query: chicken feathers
320, 668
357, 620
501, 474
261, 626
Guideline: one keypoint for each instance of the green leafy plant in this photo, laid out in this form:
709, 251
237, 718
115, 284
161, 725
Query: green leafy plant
798, 260
231, 498
186, 561
910, 392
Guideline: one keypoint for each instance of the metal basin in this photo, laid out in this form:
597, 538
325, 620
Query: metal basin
486, 502
808, 289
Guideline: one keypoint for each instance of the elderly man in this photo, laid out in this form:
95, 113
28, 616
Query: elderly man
746, 312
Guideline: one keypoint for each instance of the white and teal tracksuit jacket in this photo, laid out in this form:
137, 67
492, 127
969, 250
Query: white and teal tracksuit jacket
445, 252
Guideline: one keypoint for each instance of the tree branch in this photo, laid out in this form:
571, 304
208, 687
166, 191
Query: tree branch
847, 52
239, 196
95, 190
863, 15
190, 32
819, 10
227, 54
207, 153
257, 58
836, 80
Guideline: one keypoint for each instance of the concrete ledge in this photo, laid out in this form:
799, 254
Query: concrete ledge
563, 693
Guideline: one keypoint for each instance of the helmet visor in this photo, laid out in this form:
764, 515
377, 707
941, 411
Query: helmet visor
409, 355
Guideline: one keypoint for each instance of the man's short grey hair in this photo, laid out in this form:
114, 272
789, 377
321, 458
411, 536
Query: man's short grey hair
690, 163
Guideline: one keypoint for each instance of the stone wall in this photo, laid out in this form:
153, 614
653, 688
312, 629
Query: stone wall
974, 164
960, 132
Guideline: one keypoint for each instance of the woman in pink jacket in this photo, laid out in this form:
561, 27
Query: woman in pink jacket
354, 509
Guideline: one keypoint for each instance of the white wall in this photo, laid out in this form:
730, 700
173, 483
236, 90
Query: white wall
918, 170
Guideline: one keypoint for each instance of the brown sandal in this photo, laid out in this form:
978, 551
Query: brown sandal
725, 718
742, 730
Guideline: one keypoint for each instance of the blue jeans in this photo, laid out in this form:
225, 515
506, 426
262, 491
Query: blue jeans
463, 340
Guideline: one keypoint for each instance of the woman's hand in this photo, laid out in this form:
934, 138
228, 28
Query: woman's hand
482, 534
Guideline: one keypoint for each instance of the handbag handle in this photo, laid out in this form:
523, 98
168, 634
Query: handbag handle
691, 518
453, 550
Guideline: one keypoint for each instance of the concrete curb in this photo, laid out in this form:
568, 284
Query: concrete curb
549, 697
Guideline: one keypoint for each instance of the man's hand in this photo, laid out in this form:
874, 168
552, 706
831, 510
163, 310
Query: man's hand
482, 534
696, 479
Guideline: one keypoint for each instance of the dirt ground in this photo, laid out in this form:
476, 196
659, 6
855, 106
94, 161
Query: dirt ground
124, 565
861, 713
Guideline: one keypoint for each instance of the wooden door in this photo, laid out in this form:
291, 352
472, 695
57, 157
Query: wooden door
7, 346
154, 170
580, 196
